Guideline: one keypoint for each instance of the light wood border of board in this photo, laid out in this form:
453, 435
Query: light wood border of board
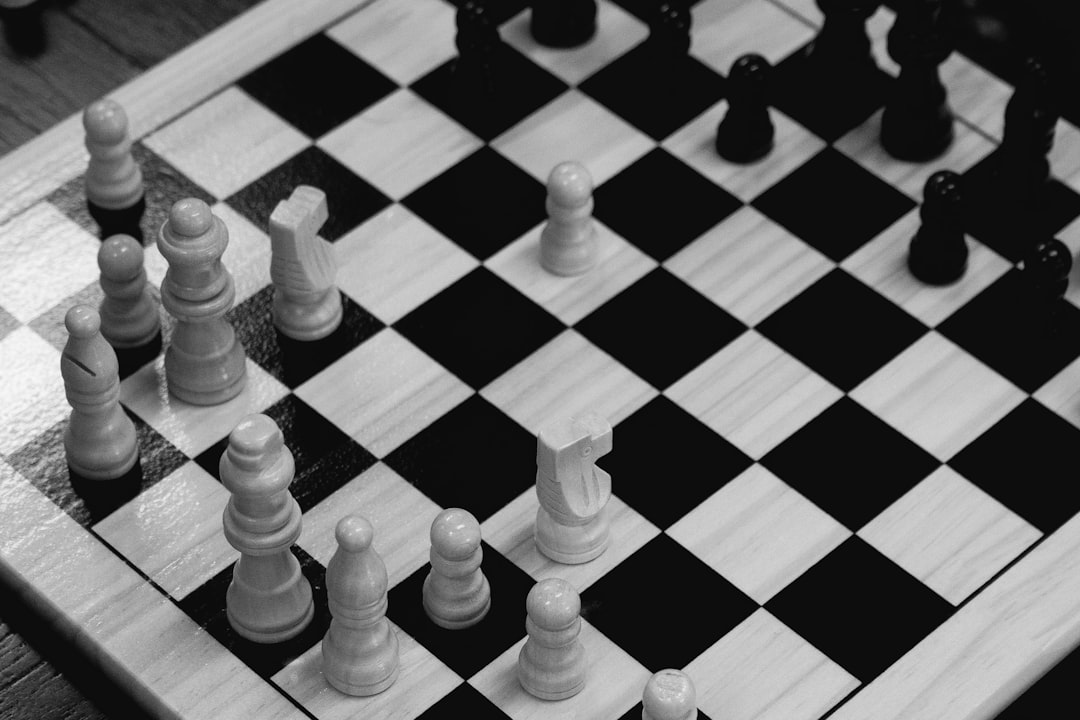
970, 668
36, 168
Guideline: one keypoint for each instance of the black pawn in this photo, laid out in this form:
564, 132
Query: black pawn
917, 124
842, 46
1047, 267
746, 132
669, 32
563, 23
938, 253
477, 42
24, 29
1031, 116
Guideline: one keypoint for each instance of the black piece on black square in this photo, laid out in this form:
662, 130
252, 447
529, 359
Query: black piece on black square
434, 458
834, 204
645, 452
479, 327
563, 23
120, 221
842, 329
746, 132
859, 608
316, 86
938, 253
832, 459
699, 606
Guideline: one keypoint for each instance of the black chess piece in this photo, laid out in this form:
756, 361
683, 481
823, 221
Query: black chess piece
917, 124
746, 132
1031, 116
1047, 267
24, 28
563, 23
478, 43
669, 32
938, 253
842, 47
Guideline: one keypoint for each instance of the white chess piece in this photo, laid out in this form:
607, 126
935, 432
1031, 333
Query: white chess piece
129, 312
571, 522
568, 243
307, 304
669, 695
551, 664
456, 593
360, 649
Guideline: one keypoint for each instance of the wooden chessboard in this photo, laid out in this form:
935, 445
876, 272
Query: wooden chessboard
837, 491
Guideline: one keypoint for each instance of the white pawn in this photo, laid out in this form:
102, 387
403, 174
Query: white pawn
571, 523
129, 313
360, 649
669, 695
269, 600
551, 665
307, 304
456, 593
113, 179
100, 440
568, 241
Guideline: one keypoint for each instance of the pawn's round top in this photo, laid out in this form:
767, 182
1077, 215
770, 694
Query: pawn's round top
120, 258
455, 534
105, 122
553, 604
570, 184
669, 695
254, 442
1050, 259
943, 189
354, 533
82, 321
749, 69
190, 217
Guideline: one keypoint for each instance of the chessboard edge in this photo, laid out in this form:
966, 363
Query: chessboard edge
32, 170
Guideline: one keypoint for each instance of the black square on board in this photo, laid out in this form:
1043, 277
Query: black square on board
661, 204
206, 606
1003, 222
467, 651
295, 361
521, 88
464, 701
849, 463
350, 198
1022, 461
834, 204
317, 85
326, 458
654, 97
842, 329
479, 327
827, 103
1026, 342
441, 460
634, 713
662, 443
164, 185
43, 462
859, 608
482, 203
664, 619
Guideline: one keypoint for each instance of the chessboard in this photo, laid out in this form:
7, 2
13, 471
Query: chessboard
837, 492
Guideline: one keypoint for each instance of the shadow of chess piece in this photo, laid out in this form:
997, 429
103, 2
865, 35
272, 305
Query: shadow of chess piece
746, 133
24, 26
917, 124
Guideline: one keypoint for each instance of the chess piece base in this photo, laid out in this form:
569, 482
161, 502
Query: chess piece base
552, 686
571, 544
361, 680
466, 615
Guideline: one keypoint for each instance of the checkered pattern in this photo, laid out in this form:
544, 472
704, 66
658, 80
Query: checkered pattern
794, 413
